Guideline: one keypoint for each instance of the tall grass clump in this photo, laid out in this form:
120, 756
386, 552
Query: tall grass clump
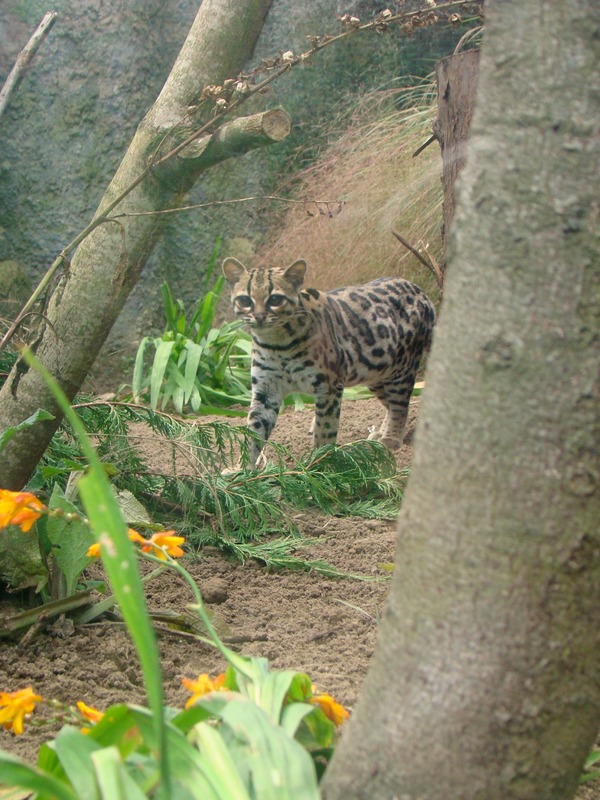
370, 168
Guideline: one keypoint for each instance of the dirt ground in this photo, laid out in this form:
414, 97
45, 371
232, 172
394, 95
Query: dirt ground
298, 620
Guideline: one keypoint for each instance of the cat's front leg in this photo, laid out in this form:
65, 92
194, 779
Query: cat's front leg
328, 404
267, 397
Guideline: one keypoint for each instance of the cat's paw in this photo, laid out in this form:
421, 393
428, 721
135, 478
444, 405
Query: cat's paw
391, 441
229, 471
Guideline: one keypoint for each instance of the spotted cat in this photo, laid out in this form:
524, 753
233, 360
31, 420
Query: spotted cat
318, 342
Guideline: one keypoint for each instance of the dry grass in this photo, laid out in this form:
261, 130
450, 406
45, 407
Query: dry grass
371, 169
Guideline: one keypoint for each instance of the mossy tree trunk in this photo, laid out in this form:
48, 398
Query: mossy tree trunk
486, 678
107, 264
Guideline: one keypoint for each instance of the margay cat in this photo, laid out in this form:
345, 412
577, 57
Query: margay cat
318, 342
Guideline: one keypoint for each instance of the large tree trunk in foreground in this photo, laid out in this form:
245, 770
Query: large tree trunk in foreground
108, 263
486, 679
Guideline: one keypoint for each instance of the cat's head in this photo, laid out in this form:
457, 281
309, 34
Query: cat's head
266, 296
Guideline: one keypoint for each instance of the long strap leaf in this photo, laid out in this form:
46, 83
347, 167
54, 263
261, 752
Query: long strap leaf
120, 562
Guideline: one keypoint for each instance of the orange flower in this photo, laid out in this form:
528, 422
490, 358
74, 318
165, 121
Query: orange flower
166, 540
94, 549
135, 537
14, 706
19, 508
332, 710
203, 685
89, 712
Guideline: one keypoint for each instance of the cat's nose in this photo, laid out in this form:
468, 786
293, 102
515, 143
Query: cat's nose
260, 317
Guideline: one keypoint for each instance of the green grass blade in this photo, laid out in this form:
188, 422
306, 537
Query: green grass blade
74, 751
212, 261
113, 780
138, 369
159, 366
193, 355
193, 771
229, 784
169, 306
120, 563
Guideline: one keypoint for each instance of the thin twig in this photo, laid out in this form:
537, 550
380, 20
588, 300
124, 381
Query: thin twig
233, 201
434, 268
15, 76
425, 144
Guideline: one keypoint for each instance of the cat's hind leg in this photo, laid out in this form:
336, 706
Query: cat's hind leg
395, 396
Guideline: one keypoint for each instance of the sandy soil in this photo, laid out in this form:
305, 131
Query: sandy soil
298, 620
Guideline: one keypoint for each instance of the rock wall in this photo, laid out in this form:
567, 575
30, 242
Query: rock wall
91, 82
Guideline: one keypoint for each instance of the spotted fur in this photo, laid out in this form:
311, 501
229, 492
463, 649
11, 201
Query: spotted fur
318, 342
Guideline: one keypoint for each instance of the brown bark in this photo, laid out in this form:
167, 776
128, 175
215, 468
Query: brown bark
486, 679
108, 262
457, 78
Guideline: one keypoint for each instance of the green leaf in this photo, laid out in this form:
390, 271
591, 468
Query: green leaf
281, 769
8, 433
115, 728
208, 307
194, 354
293, 715
195, 773
134, 513
119, 560
138, 369
21, 564
317, 729
113, 780
213, 748
274, 689
186, 719
74, 751
70, 540
169, 306
161, 359
16, 772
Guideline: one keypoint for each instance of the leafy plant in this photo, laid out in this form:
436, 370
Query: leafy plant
593, 760
194, 363
253, 740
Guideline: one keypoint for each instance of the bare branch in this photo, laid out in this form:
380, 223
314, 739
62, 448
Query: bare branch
25, 57
431, 265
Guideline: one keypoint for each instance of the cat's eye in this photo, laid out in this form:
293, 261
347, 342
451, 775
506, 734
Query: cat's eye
277, 300
244, 301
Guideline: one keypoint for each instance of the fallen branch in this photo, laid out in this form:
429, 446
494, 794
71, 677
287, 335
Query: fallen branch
45, 612
15, 76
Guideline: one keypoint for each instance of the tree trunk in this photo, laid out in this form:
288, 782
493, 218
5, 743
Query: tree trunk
486, 678
457, 78
108, 262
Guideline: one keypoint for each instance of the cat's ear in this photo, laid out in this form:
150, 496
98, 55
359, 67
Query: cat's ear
233, 270
295, 273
